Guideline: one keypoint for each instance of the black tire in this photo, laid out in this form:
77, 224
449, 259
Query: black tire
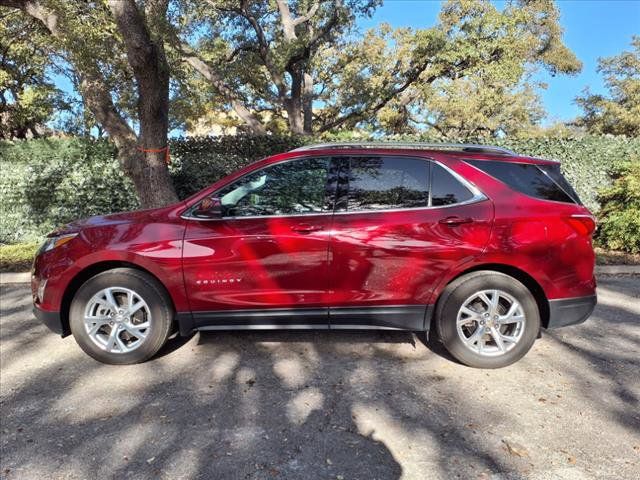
147, 287
462, 288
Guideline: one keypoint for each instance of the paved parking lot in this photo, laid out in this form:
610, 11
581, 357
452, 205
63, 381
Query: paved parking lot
331, 405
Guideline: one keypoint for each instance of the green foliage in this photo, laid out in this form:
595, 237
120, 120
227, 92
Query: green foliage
27, 96
586, 162
46, 183
18, 257
619, 227
619, 113
470, 75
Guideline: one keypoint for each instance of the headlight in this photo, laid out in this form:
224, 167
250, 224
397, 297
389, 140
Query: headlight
53, 242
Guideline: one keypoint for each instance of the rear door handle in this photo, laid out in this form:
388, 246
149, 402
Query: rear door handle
306, 228
453, 221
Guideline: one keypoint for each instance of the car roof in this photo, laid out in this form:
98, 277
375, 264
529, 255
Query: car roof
452, 150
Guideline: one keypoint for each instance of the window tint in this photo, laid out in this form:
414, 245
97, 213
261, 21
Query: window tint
377, 183
554, 172
295, 187
525, 178
447, 189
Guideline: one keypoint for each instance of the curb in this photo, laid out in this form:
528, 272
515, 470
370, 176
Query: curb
8, 278
617, 269
25, 277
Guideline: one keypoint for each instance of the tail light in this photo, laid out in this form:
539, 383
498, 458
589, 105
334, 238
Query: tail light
583, 224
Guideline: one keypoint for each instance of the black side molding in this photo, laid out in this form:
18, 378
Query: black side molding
253, 319
570, 311
394, 317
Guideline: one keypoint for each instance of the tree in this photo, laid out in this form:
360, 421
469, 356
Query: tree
259, 56
27, 96
469, 76
95, 39
301, 61
617, 113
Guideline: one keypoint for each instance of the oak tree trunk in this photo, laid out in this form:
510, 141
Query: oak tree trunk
146, 57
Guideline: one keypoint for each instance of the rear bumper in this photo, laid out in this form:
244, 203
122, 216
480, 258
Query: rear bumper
570, 311
52, 321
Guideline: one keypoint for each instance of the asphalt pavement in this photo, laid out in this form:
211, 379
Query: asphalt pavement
324, 405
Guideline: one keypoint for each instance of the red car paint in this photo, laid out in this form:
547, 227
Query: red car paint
335, 259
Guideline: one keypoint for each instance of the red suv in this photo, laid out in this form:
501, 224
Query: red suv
476, 242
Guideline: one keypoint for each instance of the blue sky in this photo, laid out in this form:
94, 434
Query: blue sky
592, 29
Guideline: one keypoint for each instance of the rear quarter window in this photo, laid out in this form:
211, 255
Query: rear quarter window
538, 181
446, 189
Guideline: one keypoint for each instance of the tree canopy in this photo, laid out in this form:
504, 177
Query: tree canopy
28, 97
300, 65
617, 113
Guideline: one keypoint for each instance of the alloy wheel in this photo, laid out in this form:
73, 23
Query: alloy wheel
117, 320
490, 322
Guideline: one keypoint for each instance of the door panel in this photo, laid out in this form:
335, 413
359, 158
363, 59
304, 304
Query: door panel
271, 254
255, 263
396, 257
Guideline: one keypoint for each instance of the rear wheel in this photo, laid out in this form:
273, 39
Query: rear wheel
121, 316
487, 319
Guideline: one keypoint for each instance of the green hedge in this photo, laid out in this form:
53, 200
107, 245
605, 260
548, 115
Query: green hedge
48, 182
619, 227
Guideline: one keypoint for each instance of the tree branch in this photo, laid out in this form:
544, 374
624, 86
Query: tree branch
93, 86
190, 57
362, 112
264, 48
306, 17
288, 25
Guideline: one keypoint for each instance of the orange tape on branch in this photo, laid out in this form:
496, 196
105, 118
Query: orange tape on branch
167, 157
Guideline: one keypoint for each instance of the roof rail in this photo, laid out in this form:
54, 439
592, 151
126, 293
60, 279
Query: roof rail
465, 147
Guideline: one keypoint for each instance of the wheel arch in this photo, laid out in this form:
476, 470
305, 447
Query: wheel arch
527, 280
90, 271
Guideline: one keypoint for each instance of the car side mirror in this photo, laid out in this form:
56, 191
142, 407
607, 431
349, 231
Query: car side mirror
209, 208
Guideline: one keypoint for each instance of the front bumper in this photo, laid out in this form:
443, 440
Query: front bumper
52, 321
570, 311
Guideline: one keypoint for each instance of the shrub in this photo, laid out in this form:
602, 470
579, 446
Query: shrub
619, 227
45, 183
197, 162
18, 257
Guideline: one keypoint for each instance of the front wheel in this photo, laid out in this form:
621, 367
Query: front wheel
121, 316
487, 319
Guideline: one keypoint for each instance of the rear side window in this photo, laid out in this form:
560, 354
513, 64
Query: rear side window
377, 183
447, 189
554, 172
533, 180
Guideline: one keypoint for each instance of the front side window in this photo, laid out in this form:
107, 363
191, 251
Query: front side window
289, 188
379, 183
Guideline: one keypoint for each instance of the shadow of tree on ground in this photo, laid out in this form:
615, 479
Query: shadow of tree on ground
365, 405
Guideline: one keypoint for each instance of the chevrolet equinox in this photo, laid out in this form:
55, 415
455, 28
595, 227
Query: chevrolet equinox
481, 245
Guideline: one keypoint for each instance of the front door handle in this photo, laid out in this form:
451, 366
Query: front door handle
453, 221
306, 228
